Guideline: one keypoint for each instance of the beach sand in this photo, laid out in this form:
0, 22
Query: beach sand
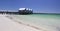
7, 24
30, 24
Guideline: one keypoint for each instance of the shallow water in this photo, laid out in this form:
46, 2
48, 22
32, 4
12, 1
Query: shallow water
51, 21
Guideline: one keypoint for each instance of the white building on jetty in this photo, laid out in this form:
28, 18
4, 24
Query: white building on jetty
25, 11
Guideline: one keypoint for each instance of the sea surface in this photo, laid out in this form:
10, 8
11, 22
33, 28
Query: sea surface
49, 21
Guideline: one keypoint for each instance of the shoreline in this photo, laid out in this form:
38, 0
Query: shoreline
25, 24
7, 24
28, 24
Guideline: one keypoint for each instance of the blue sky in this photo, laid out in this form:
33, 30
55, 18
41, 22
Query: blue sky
43, 6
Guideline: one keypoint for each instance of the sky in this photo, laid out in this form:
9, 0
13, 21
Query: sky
38, 6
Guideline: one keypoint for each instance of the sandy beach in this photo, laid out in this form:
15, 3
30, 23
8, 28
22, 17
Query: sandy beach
10, 23
7, 24
38, 28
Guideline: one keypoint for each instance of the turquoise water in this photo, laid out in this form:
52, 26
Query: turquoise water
44, 20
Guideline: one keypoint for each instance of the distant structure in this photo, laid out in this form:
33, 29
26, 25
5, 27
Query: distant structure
25, 11
8, 12
20, 11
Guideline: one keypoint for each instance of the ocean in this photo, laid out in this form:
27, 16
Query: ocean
49, 21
